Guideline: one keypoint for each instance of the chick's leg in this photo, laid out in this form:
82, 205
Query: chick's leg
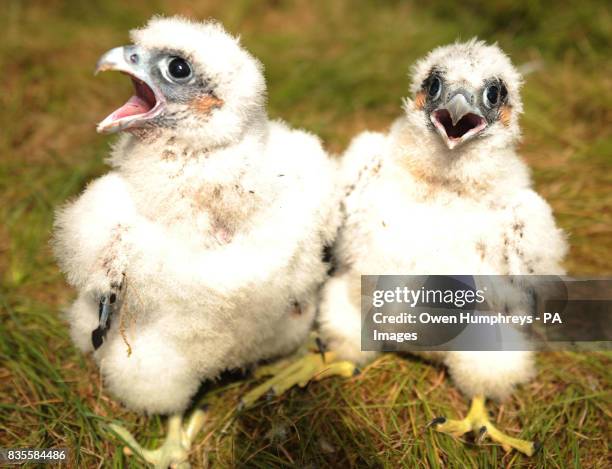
477, 421
174, 452
313, 366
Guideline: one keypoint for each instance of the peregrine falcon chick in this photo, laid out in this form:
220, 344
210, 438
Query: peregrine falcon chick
444, 192
201, 250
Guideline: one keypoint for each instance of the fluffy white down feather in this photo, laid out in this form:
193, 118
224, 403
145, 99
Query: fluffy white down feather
415, 207
218, 227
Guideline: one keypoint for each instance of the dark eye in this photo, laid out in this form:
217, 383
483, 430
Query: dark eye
491, 95
179, 68
435, 86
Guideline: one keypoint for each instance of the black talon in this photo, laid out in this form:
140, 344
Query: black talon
321, 349
270, 395
482, 431
436, 421
204, 407
537, 447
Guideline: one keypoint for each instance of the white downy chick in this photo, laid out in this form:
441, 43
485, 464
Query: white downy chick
201, 251
444, 192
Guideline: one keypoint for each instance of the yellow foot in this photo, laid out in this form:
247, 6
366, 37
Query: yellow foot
477, 421
286, 374
174, 452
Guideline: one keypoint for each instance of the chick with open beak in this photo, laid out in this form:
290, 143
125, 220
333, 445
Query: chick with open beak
458, 119
148, 100
182, 92
192, 254
462, 102
444, 192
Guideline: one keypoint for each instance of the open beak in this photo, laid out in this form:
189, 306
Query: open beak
457, 120
147, 101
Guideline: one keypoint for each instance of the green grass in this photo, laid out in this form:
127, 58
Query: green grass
335, 68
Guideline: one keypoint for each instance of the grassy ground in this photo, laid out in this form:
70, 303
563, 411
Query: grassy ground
334, 68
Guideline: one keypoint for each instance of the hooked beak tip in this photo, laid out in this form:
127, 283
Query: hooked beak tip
100, 68
105, 64
458, 107
113, 59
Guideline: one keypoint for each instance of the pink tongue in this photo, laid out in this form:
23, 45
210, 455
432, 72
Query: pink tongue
135, 105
